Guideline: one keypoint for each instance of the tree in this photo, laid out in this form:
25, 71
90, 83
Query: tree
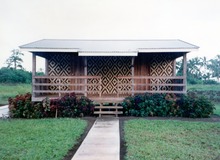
194, 69
15, 60
194, 66
199, 70
214, 67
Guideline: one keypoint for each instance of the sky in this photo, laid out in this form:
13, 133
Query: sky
25, 21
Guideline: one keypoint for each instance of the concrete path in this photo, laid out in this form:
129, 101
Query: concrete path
4, 111
102, 141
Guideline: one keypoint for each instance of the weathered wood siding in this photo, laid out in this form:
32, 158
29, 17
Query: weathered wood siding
155, 64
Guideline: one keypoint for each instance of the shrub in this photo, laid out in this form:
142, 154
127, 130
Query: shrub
14, 76
149, 105
72, 106
210, 81
22, 107
167, 105
195, 107
67, 106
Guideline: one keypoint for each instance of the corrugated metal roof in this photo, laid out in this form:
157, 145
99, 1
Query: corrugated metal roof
111, 46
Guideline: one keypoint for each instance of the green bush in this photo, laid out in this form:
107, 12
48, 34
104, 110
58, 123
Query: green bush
149, 105
67, 106
195, 107
164, 105
210, 81
14, 76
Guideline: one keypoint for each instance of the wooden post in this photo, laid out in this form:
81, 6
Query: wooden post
132, 74
33, 73
46, 73
46, 67
59, 87
184, 72
85, 74
158, 82
174, 67
100, 88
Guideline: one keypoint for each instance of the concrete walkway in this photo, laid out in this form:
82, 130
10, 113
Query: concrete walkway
4, 111
102, 141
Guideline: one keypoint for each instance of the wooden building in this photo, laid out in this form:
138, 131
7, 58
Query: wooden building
108, 69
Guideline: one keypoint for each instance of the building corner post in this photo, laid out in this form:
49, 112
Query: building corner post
185, 73
33, 74
85, 74
132, 73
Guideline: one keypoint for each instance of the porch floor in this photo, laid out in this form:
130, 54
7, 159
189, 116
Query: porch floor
102, 141
96, 99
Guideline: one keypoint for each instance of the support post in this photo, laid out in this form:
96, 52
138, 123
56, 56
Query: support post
132, 74
174, 67
46, 73
85, 74
46, 67
184, 72
33, 73
59, 87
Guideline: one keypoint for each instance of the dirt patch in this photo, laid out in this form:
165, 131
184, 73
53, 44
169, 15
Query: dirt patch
73, 150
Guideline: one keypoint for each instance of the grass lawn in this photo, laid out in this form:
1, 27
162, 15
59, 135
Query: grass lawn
11, 90
163, 140
38, 139
201, 87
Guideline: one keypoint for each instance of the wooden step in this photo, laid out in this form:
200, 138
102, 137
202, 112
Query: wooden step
107, 100
108, 107
108, 112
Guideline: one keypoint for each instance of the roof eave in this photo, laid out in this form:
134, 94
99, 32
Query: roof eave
110, 53
50, 49
167, 50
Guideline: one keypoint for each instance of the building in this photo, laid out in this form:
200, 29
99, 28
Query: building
108, 70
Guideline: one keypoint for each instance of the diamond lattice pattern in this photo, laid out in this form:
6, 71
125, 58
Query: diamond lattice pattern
59, 65
161, 65
109, 68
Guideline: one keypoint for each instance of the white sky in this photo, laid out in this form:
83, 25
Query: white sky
194, 21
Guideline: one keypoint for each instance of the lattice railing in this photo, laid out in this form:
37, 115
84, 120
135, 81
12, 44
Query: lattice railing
58, 85
151, 84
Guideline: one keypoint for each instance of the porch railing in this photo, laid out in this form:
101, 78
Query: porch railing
56, 86
151, 84
65, 84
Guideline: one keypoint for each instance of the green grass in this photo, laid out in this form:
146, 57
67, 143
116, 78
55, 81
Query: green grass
217, 110
38, 139
11, 90
201, 87
163, 140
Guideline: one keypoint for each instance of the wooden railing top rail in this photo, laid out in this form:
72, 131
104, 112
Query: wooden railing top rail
66, 84
151, 77
150, 91
70, 77
153, 84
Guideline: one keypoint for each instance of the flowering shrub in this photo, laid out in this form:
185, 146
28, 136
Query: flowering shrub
67, 106
72, 106
22, 107
167, 105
